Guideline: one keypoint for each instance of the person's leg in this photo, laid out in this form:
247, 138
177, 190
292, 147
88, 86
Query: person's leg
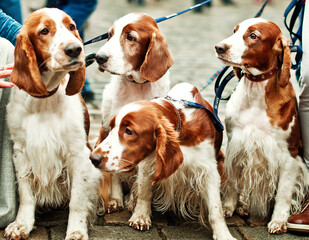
304, 83
8, 203
300, 222
12, 8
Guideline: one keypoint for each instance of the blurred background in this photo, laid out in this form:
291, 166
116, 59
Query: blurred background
191, 38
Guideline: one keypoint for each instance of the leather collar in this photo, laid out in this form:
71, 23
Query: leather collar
48, 94
263, 76
131, 79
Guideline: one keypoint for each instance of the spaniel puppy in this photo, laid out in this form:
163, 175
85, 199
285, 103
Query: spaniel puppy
174, 150
47, 120
263, 162
137, 56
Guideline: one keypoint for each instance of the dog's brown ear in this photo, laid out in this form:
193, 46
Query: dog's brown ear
285, 58
157, 60
169, 156
76, 81
237, 72
26, 74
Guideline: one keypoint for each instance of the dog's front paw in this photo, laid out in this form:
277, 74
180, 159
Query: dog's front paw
114, 205
277, 227
77, 235
17, 231
140, 222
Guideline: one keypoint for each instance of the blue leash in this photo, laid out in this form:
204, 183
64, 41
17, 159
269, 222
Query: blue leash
220, 85
161, 19
218, 125
298, 11
213, 116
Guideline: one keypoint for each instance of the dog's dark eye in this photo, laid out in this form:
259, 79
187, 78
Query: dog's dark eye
253, 36
44, 31
130, 37
128, 131
72, 27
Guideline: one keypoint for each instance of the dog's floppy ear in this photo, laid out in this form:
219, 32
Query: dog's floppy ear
282, 46
237, 72
76, 81
169, 156
26, 74
157, 60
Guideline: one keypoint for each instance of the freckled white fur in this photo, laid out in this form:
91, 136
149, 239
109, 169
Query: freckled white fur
258, 164
50, 156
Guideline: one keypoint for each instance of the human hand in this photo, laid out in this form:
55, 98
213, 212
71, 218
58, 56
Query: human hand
6, 71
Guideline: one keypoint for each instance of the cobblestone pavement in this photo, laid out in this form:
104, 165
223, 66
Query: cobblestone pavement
191, 39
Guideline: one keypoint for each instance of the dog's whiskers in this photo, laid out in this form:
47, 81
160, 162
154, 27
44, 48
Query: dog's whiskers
44, 62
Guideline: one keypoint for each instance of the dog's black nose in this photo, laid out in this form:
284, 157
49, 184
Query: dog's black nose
73, 50
96, 159
101, 58
221, 48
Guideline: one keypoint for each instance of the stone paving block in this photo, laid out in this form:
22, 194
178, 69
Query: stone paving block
253, 222
261, 233
117, 218
235, 221
39, 233
118, 232
58, 232
193, 232
121, 219
109, 232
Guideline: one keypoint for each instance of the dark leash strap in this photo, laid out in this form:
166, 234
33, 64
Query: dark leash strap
161, 19
215, 120
297, 9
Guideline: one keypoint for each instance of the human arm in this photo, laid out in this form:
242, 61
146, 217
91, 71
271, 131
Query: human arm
9, 28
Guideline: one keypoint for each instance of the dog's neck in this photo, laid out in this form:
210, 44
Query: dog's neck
264, 76
135, 77
53, 79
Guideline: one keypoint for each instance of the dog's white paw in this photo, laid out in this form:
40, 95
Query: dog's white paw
77, 235
140, 222
277, 227
114, 205
17, 231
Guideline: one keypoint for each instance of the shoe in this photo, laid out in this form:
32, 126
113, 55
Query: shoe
300, 221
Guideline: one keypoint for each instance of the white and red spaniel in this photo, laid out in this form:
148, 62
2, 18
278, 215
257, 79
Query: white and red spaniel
263, 163
137, 56
174, 150
46, 120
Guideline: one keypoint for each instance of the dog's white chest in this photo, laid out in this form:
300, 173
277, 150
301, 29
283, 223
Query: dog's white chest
247, 107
